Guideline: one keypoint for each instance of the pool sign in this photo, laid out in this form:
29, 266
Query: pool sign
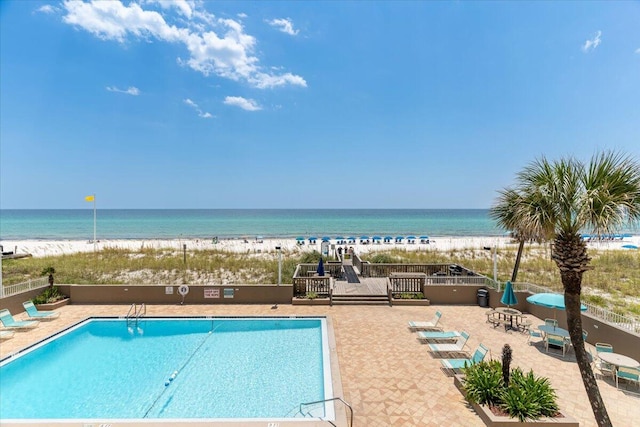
168, 290
211, 293
228, 292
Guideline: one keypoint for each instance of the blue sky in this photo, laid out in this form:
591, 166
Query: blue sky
157, 104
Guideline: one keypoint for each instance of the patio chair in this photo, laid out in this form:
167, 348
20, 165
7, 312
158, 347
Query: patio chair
534, 333
603, 347
431, 324
451, 348
34, 314
629, 374
6, 334
555, 340
492, 318
523, 323
10, 323
438, 335
457, 364
551, 322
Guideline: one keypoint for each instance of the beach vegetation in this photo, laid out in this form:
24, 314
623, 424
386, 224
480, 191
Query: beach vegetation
408, 295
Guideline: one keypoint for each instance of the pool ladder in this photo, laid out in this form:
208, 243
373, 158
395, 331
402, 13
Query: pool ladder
330, 400
135, 313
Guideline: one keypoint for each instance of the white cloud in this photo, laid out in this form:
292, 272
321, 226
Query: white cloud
590, 45
285, 25
242, 15
244, 103
203, 114
47, 8
131, 90
215, 45
638, 50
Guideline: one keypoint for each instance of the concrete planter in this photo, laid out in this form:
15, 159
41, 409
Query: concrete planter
492, 420
53, 305
410, 302
307, 301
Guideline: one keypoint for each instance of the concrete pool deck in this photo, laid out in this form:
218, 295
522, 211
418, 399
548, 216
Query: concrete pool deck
388, 376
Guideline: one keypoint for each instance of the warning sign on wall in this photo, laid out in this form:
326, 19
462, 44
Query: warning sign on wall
211, 293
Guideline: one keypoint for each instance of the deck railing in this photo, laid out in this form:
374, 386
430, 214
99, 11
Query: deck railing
407, 282
29, 285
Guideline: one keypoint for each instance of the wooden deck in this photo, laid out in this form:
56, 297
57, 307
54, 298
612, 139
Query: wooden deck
367, 286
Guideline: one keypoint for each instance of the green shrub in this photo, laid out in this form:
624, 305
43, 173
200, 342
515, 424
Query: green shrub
312, 295
49, 295
409, 295
527, 397
383, 258
483, 383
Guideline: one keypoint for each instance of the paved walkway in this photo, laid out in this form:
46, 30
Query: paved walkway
388, 376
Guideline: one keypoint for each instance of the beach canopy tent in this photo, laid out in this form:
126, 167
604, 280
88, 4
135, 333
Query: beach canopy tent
551, 300
326, 238
424, 239
388, 239
312, 239
411, 239
399, 239
320, 269
508, 296
300, 239
351, 239
377, 238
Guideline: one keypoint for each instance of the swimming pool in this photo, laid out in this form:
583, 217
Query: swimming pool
162, 368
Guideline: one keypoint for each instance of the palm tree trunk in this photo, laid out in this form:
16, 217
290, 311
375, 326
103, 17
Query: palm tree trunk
516, 267
571, 257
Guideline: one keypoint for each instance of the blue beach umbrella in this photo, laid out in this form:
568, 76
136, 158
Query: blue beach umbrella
388, 238
351, 239
630, 246
508, 296
550, 300
339, 238
377, 238
320, 269
364, 237
326, 238
299, 239
399, 239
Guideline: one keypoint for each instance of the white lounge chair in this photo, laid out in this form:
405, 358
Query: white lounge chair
457, 364
35, 314
457, 347
10, 323
438, 335
431, 324
4, 334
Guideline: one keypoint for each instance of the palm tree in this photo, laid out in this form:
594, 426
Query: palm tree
558, 201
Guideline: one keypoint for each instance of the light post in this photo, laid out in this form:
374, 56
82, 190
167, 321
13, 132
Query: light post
279, 249
495, 263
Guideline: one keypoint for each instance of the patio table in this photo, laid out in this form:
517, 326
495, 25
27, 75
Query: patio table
548, 329
618, 359
506, 311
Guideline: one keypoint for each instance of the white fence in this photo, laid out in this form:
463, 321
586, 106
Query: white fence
615, 319
19, 288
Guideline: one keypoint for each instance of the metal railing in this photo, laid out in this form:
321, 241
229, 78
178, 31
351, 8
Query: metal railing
29, 285
330, 400
608, 316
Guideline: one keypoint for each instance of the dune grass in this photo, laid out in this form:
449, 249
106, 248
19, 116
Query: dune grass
613, 281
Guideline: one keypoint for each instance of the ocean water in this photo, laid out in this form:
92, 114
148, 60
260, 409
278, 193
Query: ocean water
72, 224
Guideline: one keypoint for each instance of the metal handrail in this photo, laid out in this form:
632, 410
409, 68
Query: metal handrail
330, 400
133, 307
142, 311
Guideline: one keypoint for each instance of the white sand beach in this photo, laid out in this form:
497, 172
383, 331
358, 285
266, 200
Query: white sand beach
45, 248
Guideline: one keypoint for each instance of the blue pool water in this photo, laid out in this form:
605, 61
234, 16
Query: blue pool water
226, 368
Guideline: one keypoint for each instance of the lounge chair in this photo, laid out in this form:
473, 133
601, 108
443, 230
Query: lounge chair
555, 340
451, 348
438, 335
34, 314
10, 323
629, 374
6, 334
457, 364
431, 324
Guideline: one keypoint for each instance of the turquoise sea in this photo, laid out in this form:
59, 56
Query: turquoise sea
72, 224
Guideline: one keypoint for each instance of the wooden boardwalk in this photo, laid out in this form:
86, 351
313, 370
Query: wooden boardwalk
367, 286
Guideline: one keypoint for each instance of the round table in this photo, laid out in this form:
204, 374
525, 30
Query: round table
618, 359
507, 311
548, 329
